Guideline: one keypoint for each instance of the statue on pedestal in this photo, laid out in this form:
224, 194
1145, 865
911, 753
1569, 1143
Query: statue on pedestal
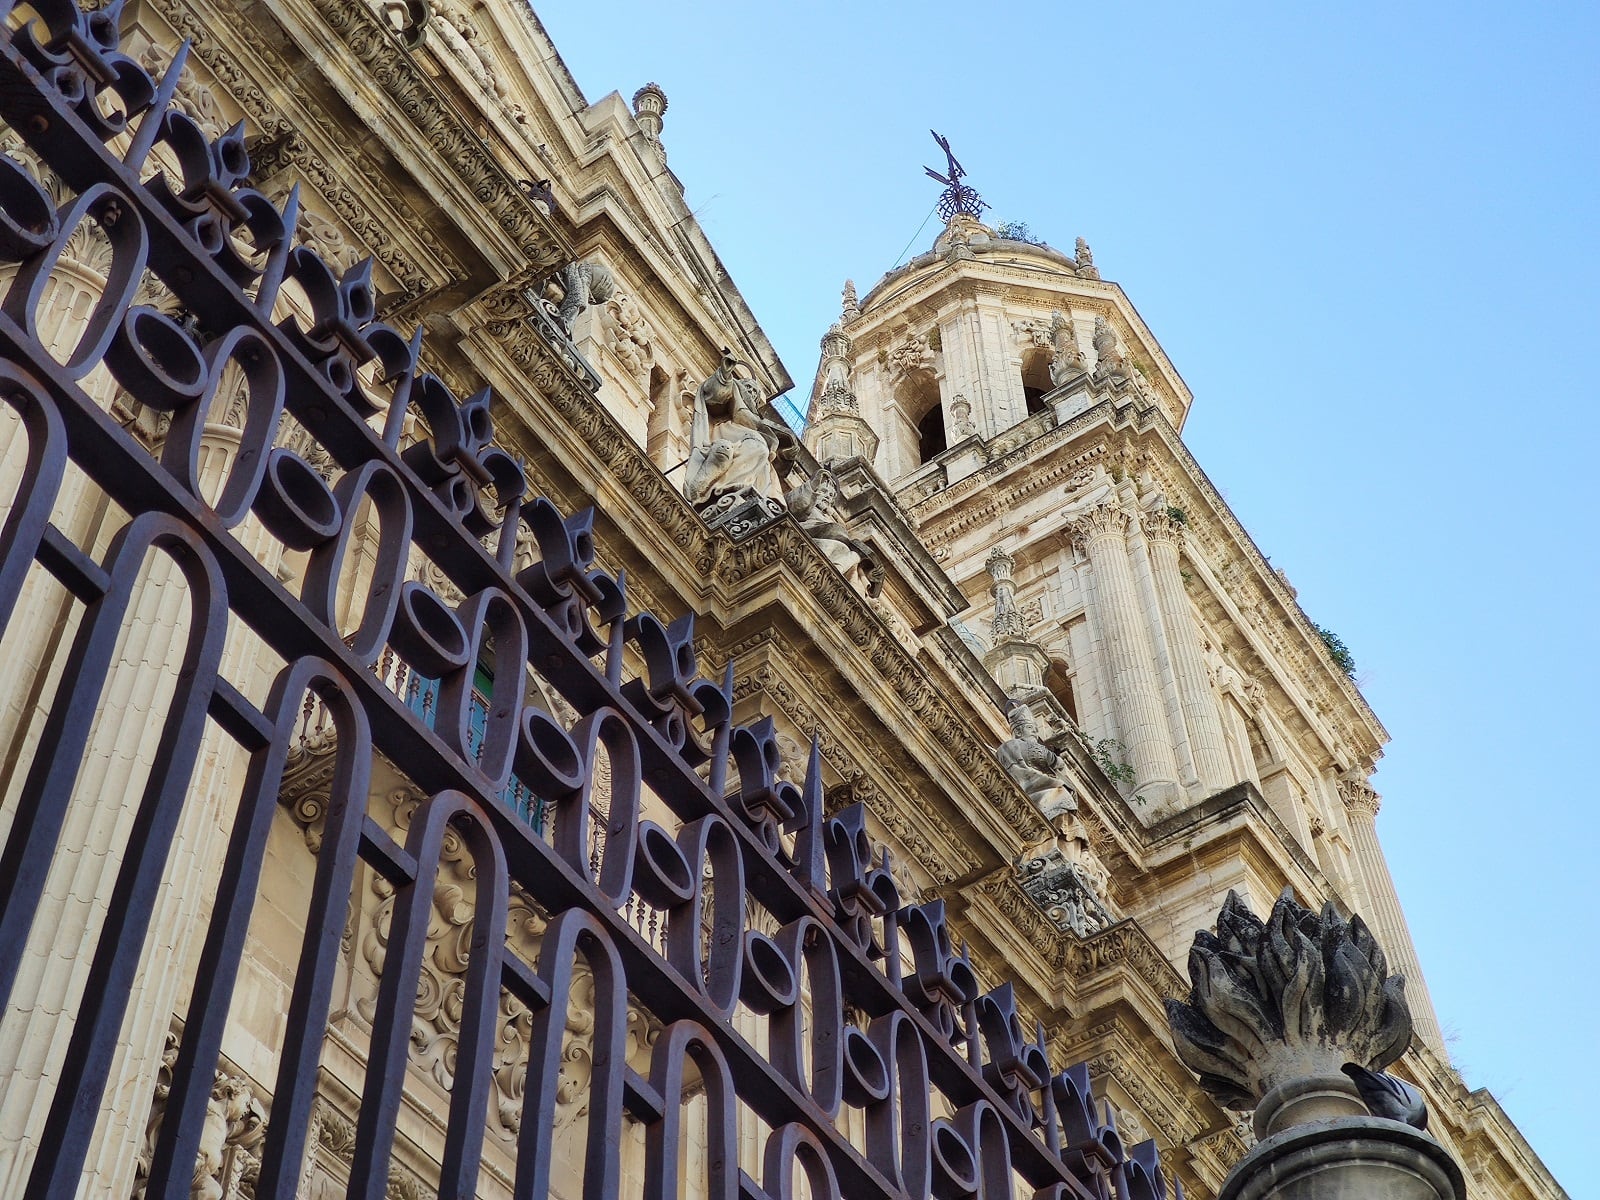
1034, 767
732, 447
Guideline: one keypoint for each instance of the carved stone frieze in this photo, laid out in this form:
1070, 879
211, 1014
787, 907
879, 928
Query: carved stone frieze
445, 131
230, 1140
277, 143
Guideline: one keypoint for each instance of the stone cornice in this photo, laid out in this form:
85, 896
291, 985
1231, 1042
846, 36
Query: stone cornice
278, 141
413, 95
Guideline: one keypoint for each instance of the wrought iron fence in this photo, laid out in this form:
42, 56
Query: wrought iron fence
863, 1004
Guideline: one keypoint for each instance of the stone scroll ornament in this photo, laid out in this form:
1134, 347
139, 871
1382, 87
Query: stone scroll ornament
1293, 997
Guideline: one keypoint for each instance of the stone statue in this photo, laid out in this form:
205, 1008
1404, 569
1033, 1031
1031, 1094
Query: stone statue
812, 504
1034, 767
732, 447
583, 284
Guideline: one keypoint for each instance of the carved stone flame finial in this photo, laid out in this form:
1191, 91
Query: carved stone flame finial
1288, 999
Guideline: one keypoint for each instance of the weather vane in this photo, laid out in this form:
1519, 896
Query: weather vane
958, 197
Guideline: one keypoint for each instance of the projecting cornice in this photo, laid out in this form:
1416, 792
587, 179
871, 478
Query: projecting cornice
444, 131
294, 129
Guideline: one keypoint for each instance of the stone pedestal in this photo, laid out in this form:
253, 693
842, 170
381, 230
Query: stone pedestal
741, 512
1347, 1158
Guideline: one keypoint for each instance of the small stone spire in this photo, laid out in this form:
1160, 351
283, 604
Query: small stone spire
1015, 662
851, 307
836, 394
1085, 257
649, 107
1008, 623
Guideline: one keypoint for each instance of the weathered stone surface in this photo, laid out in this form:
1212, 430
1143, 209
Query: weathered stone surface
1350, 1158
1290, 998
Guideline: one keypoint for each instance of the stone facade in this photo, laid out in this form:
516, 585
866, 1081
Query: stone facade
1196, 735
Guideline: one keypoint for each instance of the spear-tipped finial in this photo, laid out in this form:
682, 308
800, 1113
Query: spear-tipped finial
958, 197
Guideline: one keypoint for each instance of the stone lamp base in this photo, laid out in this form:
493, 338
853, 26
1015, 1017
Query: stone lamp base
1346, 1158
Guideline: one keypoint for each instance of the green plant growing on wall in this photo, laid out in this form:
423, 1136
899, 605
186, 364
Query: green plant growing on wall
935, 341
1338, 651
1108, 754
1180, 516
1017, 231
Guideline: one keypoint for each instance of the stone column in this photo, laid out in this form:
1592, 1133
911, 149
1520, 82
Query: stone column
1200, 716
1361, 803
1136, 692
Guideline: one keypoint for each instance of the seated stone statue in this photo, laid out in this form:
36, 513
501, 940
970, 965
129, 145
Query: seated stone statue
1034, 767
812, 505
731, 445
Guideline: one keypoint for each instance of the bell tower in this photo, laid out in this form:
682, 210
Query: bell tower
1030, 426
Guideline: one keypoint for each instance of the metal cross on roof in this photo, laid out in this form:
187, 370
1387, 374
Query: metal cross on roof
958, 197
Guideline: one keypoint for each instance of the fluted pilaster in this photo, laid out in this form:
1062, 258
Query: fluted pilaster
1136, 691
1201, 718
1361, 803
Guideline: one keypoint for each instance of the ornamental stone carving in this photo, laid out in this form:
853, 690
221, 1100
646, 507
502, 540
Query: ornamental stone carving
582, 285
1085, 257
813, 504
1295, 997
1034, 767
1111, 364
837, 394
1031, 334
912, 355
1066, 356
961, 426
1360, 797
230, 1141
850, 307
629, 336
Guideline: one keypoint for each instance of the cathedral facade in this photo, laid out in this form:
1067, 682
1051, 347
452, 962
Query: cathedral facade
976, 672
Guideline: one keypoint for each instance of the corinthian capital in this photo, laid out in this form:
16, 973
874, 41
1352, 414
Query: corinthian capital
1162, 524
1106, 519
1360, 797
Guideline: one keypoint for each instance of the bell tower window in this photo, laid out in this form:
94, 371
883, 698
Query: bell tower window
931, 440
924, 406
1035, 380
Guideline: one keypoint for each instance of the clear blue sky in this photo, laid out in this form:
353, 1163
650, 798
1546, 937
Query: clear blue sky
1366, 235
